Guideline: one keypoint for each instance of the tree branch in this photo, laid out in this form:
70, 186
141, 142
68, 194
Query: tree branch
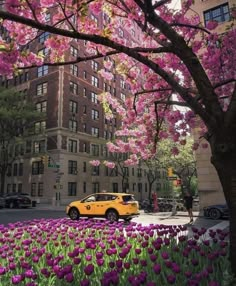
190, 26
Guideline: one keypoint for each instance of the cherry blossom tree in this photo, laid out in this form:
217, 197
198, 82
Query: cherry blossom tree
175, 61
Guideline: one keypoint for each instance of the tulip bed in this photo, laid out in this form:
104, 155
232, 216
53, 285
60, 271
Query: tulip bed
96, 252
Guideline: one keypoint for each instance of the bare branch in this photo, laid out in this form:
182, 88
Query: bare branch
224, 82
159, 4
76, 61
172, 102
190, 26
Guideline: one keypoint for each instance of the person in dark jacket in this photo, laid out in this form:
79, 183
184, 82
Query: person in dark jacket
189, 205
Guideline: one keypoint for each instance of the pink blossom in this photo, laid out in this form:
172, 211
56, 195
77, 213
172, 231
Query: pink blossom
95, 163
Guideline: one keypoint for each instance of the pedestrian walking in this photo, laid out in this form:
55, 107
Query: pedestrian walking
189, 205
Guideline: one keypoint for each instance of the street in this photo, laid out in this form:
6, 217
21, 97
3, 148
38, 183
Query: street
47, 212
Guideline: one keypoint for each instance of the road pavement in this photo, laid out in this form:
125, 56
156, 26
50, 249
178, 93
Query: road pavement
167, 218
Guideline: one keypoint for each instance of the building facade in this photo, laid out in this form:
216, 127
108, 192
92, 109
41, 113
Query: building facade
53, 161
209, 186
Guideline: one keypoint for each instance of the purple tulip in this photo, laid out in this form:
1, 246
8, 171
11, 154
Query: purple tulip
213, 283
171, 279
100, 262
16, 279
84, 282
29, 273
111, 264
3, 270
137, 250
77, 260
88, 270
164, 255
69, 277
157, 268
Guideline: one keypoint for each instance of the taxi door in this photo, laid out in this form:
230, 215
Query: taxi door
101, 204
87, 206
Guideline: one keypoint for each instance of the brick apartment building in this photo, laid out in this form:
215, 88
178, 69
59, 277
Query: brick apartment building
73, 132
209, 186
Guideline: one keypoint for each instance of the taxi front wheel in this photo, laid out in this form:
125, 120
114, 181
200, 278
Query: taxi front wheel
74, 214
112, 215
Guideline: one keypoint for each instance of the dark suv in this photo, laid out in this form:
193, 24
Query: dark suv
18, 200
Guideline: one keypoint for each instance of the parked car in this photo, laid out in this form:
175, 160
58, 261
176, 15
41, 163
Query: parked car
18, 200
216, 211
2, 202
112, 206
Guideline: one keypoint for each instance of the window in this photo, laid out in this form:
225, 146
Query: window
39, 146
15, 169
73, 106
95, 170
84, 147
73, 51
40, 189
21, 169
122, 83
33, 190
84, 109
41, 88
134, 185
41, 106
74, 88
94, 97
47, 17
37, 168
122, 96
95, 187
95, 150
139, 172
19, 188
74, 70
84, 167
94, 81
105, 134
43, 52
72, 186
8, 188
72, 167
115, 187
84, 127
146, 188
84, 92
84, 187
19, 149
26, 76
41, 71
43, 37
95, 131
140, 187
219, 14
73, 125
85, 74
95, 19
39, 127
95, 114
120, 32
126, 171
94, 65
72, 146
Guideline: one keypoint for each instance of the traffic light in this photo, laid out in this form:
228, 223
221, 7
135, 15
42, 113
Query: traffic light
170, 172
44, 160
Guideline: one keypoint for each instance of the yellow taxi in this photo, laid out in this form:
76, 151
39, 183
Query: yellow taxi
113, 206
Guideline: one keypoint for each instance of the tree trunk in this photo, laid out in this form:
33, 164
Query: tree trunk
225, 165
